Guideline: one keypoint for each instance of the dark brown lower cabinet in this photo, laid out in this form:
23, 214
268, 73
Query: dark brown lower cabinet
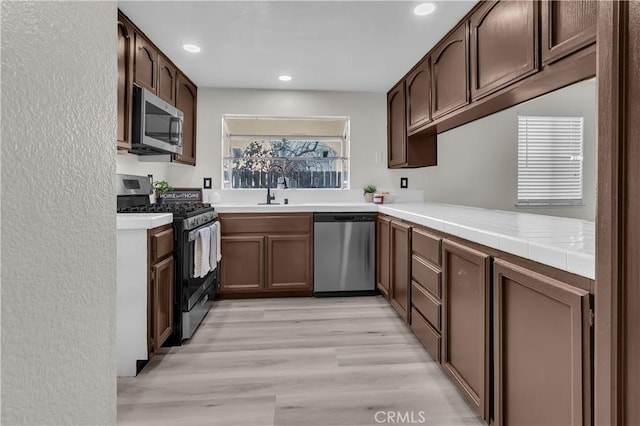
542, 349
266, 255
400, 255
242, 263
383, 235
289, 262
159, 287
466, 322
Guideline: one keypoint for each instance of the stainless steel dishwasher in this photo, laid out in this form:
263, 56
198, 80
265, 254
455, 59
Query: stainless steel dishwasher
344, 254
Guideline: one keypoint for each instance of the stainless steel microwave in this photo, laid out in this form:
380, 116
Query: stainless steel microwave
157, 125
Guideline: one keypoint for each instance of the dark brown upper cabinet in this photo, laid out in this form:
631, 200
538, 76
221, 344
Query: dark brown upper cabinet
167, 77
419, 95
396, 127
466, 322
450, 72
567, 26
504, 41
125, 83
146, 64
542, 349
187, 102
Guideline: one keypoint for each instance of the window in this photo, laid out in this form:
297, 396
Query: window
550, 157
307, 152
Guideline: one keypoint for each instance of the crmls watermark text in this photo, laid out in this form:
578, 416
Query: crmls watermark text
400, 417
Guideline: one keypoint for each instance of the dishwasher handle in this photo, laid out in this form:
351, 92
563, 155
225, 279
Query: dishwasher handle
344, 217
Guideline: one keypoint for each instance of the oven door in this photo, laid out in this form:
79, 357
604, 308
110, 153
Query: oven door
194, 287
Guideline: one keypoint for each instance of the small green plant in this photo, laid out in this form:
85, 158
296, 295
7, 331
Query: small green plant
162, 187
369, 189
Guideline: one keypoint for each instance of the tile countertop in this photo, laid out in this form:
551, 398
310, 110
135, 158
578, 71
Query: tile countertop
142, 220
567, 244
296, 207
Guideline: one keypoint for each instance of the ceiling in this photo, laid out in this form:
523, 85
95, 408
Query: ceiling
324, 45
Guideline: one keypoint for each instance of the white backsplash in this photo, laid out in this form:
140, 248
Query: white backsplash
249, 196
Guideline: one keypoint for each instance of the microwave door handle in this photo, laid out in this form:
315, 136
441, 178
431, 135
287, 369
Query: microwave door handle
175, 136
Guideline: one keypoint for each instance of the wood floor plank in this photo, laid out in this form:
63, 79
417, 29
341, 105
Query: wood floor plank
293, 361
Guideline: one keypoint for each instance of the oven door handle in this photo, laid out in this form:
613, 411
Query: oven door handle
194, 233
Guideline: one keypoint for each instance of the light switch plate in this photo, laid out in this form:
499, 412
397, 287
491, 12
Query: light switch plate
404, 182
207, 183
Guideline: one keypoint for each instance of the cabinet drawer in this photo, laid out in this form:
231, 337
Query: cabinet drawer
266, 224
426, 334
161, 243
426, 304
426, 245
426, 275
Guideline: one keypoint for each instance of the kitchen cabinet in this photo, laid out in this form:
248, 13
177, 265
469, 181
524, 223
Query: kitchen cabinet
400, 267
418, 150
567, 26
288, 262
160, 287
167, 77
396, 127
140, 62
125, 83
466, 322
542, 349
145, 69
242, 263
426, 276
266, 254
383, 239
450, 72
187, 102
504, 44
418, 85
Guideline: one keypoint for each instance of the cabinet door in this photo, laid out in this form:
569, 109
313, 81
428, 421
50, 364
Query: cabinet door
567, 26
125, 84
162, 310
465, 328
504, 40
289, 262
242, 264
419, 95
146, 64
187, 101
450, 72
166, 80
542, 349
396, 127
383, 230
400, 268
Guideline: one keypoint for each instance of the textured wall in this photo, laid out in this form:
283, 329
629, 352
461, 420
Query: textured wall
58, 218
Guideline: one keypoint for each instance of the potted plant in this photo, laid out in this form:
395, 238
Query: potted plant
369, 190
161, 187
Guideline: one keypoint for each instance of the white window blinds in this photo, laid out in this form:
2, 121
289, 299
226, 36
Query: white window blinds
550, 160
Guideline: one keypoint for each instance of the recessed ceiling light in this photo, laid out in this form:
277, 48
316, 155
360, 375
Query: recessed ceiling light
284, 77
191, 48
425, 9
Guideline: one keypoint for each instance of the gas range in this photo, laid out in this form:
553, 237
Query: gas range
179, 210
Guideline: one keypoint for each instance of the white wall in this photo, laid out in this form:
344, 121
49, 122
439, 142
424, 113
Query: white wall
59, 78
477, 162
368, 113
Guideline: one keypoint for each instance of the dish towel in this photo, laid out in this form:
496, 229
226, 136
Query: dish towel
213, 253
218, 241
202, 250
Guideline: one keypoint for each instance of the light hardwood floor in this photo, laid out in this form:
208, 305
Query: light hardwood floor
297, 361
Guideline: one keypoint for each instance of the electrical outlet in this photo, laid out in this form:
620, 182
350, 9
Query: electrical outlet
150, 178
404, 182
207, 183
